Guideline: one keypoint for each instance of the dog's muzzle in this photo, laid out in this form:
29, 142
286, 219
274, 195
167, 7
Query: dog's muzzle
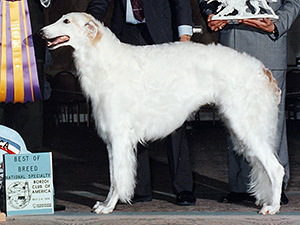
53, 42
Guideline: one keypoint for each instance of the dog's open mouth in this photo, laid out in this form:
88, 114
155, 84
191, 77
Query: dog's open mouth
58, 40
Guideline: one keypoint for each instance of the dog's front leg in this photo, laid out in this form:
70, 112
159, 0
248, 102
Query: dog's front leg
112, 198
107, 207
123, 168
111, 172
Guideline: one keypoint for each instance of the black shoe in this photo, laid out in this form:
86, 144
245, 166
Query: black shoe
140, 198
284, 200
234, 197
185, 198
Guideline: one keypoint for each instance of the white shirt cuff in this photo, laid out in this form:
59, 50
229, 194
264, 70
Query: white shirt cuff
185, 29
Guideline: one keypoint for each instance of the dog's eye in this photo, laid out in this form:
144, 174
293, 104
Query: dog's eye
66, 21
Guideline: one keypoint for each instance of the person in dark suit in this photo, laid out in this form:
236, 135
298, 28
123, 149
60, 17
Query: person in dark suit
265, 40
158, 21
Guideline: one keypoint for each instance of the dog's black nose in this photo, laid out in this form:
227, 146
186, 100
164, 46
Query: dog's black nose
41, 33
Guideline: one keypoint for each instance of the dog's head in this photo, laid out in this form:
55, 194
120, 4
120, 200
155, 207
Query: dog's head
73, 29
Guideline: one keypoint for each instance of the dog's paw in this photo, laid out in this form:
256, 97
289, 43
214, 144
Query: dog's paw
269, 209
102, 209
97, 205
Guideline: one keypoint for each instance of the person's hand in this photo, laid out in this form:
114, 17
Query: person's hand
185, 37
216, 25
264, 24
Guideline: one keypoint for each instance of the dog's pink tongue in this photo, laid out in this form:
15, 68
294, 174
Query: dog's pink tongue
58, 40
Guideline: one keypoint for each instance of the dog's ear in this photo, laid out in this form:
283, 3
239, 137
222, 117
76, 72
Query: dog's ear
92, 29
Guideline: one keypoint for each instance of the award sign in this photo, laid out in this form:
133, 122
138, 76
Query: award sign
28, 184
232, 10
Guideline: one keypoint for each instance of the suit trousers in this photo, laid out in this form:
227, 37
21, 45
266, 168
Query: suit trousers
176, 143
238, 167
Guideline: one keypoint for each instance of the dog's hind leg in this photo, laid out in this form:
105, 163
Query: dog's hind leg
254, 125
266, 172
123, 167
266, 181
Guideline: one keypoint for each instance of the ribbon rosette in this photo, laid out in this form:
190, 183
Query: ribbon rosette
18, 74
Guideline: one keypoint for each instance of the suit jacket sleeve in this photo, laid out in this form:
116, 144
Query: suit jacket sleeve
287, 13
183, 12
98, 8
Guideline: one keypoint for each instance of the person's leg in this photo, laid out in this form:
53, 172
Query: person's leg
180, 167
143, 190
238, 176
238, 170
179, 162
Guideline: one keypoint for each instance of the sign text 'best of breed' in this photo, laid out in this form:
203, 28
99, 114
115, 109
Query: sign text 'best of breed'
28, 183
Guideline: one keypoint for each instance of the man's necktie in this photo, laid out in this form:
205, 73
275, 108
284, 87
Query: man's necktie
137, 8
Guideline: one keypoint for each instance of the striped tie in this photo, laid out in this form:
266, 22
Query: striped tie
137, 8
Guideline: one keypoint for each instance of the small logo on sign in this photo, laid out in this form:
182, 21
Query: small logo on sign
19, 194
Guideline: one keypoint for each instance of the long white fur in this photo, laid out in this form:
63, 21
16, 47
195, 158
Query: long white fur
143, 93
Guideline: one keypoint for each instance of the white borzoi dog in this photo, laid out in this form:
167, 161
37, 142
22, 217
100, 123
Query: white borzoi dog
143, 93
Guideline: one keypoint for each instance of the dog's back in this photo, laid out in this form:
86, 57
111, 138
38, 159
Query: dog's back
153, 82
